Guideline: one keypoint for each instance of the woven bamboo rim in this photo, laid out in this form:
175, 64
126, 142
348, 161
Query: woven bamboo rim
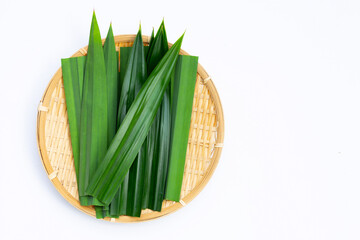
204, 148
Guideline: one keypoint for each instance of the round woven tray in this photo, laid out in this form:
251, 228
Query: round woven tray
204, 147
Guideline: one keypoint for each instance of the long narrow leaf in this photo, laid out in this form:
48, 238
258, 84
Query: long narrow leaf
136, 172
114, 208
162, 131
184, 87
93, 135
157, 49
73, 77
111, 64
133, 130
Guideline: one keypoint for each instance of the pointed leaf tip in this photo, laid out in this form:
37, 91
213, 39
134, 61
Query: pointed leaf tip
180, 39
182, 36
110, 32
94, 17
162, 25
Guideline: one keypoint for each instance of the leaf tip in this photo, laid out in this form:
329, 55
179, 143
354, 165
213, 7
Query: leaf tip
162, 25
110, 31
180, 39
94, 16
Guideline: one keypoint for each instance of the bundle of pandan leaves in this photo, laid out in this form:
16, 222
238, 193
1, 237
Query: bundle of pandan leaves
129, 122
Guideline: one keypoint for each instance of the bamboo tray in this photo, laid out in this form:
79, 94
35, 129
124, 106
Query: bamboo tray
204, 147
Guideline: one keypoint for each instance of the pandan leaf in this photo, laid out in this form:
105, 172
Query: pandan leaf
157, 49
111, 64
183, 95
112, 72
94, 114
159, 136
73, 77
133, 130
114, 208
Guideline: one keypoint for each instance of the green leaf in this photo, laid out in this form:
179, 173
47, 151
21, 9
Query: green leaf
114, 208
112, 73
133, 130
94, 123
73, 77
111, 64
159, 136
183, 95
157, 48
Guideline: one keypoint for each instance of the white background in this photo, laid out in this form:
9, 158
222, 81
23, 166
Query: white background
288, 74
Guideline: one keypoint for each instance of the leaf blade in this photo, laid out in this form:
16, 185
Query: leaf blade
184, 87
93, 135
111, 64
73, 77
157, 49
